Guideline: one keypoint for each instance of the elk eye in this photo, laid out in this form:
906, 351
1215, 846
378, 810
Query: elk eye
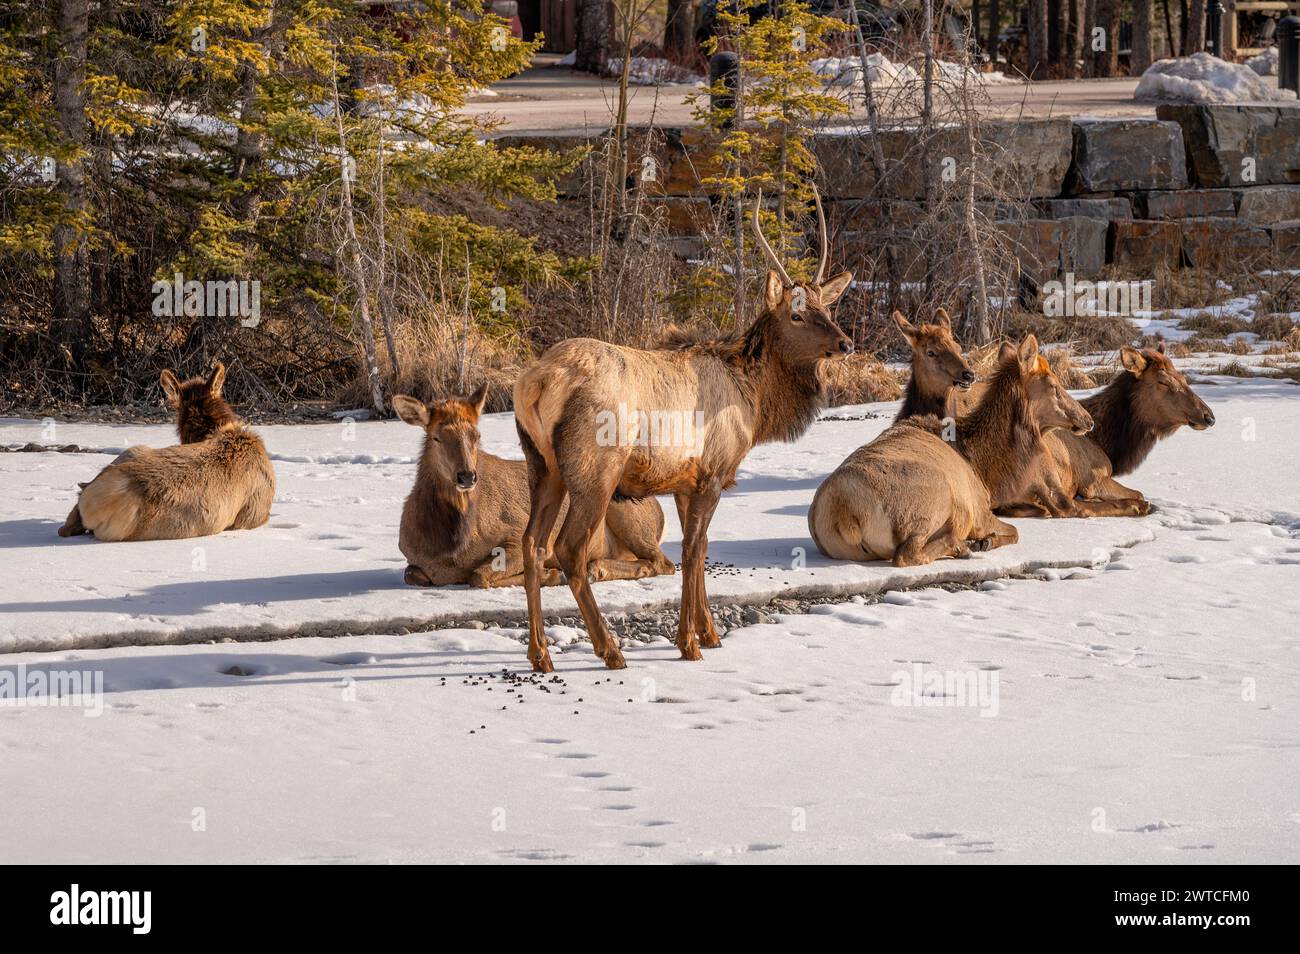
796, 316
929, 354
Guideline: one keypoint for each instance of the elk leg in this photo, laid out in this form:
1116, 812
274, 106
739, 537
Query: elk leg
917, 549
546, 496
1025, 508
999, 534
73, 526
695, 621
585, 515
610, 569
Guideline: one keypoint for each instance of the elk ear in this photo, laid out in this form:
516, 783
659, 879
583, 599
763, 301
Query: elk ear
1007, 353
1028, 353
1161, 346
216, 379
941, 317
478, 399
830, 291
411, 410
171, 387
906, 327
773, 292
1133, 360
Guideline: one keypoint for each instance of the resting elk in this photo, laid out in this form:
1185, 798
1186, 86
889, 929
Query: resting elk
937, 367
926, 488
218, 478
1146, 402
758, 387
465, 516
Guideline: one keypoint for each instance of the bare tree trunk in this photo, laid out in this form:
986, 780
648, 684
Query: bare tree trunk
1195, 28
1070, 40
1037, 39
1171, 38
352, 261
1143, 53
679, 29
1101, 29
250, 144
1055, 29
928, 158
70, 325
385, 298
877, 148
991, 47
977, 318
595, 35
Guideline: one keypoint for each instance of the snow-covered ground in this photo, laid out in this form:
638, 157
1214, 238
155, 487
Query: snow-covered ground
1141, 707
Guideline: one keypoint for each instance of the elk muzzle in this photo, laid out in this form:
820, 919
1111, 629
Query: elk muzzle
466, 480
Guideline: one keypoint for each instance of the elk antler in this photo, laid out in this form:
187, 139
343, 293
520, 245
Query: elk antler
767, 249
825, 239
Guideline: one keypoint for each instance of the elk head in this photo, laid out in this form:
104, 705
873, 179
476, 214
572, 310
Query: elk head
937, 362
805, 331
1161, 396
1051, 404
451, 437
200, 409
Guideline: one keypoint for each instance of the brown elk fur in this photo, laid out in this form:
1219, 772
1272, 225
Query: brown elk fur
938, 367
464, 519
1146, 402
762, 386
219, 477
926, 488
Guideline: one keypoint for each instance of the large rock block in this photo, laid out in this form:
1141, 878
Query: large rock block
1021, 160
1144, 245
1050, 247
1264, 205
1116, 207
1112, 155
1239, 145
1286, 243
1187, 204
1211, 243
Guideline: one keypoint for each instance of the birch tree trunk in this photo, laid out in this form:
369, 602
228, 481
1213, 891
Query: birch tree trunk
70, 324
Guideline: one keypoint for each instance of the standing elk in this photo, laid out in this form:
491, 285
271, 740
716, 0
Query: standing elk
912, 496
1146, 402
758, 387
938, 367
465, 516
218, 478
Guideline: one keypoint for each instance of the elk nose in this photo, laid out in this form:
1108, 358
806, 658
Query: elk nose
968, 377
466, 479
846, 346
1209, 418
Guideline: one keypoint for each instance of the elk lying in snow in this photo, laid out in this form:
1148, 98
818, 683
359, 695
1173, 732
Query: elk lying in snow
1147, 401
912, 497
937, 367
465, 516
761, 386
218, 478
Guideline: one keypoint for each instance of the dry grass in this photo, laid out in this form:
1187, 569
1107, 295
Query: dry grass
861, 379
429, 357
1084, 333
1207, 323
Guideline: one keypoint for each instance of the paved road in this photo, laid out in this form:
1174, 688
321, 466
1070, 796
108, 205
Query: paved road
549, 97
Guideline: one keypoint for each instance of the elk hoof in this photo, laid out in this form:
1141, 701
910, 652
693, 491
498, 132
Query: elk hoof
1144, 507
542, 663
691, 652
414, 576
710, 640
980, 545
614, 660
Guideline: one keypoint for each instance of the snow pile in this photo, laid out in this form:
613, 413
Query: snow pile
1202, 78
1265, 64
651, 71
847, 71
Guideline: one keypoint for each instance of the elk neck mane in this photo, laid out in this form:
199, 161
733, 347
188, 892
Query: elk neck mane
785, 397
444, 516
1120, 427
916, 404
1000, 437
203, 416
